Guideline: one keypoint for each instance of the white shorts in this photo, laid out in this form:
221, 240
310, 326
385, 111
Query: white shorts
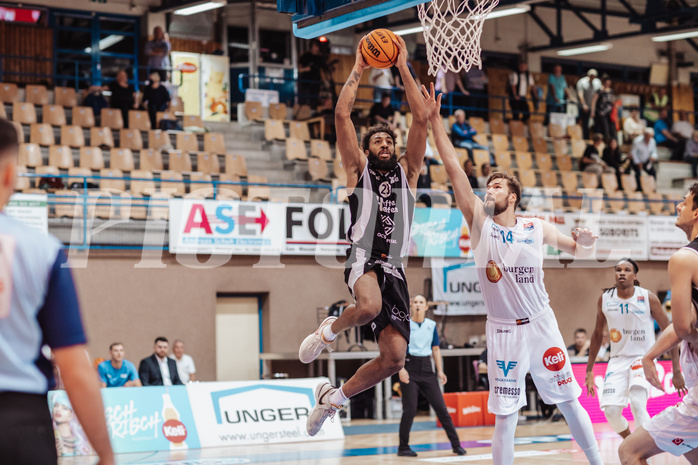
515, 347
675, 430
622, 373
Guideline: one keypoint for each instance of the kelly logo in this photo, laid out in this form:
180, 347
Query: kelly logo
506, 366
554, 359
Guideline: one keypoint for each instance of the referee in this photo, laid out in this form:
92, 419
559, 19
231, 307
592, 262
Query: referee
38, 306
418, 375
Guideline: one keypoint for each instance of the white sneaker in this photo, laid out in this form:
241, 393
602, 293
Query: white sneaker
313, 345
322, 410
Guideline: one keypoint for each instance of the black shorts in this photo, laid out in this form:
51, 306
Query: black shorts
395, 309
26, 431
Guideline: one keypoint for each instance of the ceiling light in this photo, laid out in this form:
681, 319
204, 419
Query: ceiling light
412, 30
581, 50
677, 36
106, 42
509, 11
201, 7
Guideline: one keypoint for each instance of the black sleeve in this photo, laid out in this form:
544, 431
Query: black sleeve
173, 369
144, 373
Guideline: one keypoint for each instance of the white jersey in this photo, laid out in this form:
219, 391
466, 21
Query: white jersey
630, 322
510, 267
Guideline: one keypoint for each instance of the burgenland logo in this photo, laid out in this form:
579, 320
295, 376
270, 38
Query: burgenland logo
252, 415
505, 366
554, 359
494, 274
615, 335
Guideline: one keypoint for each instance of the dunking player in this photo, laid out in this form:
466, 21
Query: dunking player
629, 310
675, 430
522, 332
381, 203
38, 305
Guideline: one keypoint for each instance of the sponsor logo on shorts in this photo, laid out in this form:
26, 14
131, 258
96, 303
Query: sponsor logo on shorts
559, 378
507, 391
494, 274
399, 315
615, 335
554, 359
607, 375
522, 321
506, 367
562, 382
636, 365
677, 441
609, 391
504, 331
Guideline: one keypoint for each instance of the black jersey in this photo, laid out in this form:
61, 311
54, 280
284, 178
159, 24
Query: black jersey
382, 207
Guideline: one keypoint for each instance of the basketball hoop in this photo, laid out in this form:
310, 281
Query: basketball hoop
452, 30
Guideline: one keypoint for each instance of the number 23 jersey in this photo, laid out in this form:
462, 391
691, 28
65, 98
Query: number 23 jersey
630, 323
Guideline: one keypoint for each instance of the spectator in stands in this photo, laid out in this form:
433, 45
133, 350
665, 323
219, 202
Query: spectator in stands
520, 85
118, 372
602, 105
383, 112
470, 173
462, 134
476, 84
382, 80
155, 98
325, 110
615, 159
159, 369
453, 84
587, 87
158, 51
95, 100
485, 170
664, 138
633, 125
185, 364
682, 129
424, 182
644, 153
604, 354
310, 67
580, 348
557, 87
123, 95
691, 154
591, 161
656, 102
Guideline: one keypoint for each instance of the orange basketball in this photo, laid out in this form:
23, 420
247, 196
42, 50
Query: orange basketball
379, 50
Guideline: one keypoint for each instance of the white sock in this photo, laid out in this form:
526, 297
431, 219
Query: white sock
337, 397
327, 333
503, 439
582, 430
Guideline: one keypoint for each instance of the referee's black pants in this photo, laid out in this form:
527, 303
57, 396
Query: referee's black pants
26, 431
423, 378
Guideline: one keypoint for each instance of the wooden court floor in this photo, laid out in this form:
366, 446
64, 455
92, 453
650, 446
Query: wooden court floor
373, 442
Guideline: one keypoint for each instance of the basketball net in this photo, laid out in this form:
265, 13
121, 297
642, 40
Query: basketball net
452, 30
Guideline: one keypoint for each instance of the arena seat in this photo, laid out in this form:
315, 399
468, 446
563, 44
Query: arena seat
189, 121
45, 171
278, 111
20, 131
590, 180
214, 143
299, 130
569, 180
549, 179
648, 184
516, 129
121, 159
9, 92
138, 120
295, 149
22, 183
497, 126
111, 118
208, 163
320, 149
564, 162
53, 115
609, 182
255, 112
628, 183
200, 187
257, 193
229, 191
67, 204
544, 162
317, 168
164, 115
340, 191
480, 157
72, 136
527, 178
274, 130
65, 96
478, 124
41, 134
500, 143
177, 105
110, 181
536, 130
24, 113
172, 183
482, 139
81, 174
150, 160
3, 113
503, 160
338, 170
556, 131
130, 139
235, 165
158, 139
578, 148
656, 204
187, 141
574, 131
60, 156
84, 117
560, 147
615, 201
524, 161
30, 155
519, 143
91, 158
539, 145
100, 136
36, 94
179, 161
636, 203
438, 174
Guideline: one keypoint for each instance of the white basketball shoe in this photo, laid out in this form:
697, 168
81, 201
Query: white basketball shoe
323, 408
313, 345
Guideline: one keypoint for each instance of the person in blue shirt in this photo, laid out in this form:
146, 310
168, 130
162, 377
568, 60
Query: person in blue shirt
462, 134
418, 375
555, 101
118, 372
38, 307
664, 138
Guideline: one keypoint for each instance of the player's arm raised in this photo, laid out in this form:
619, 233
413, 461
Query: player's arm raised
417, 135
469, 203
579, 245
353, 159
662, 320
681, 268
596, 338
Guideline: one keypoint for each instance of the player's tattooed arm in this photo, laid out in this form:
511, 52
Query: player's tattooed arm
352, 83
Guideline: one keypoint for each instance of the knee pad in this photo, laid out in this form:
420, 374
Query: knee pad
638, 398
614, 415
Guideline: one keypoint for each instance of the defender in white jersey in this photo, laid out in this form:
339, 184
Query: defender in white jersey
675, 430
629, 310
522, 332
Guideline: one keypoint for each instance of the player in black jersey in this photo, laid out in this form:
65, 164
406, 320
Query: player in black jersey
381, 187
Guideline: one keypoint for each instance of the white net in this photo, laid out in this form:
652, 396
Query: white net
452, 30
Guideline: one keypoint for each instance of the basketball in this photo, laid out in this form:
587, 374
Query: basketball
379, 50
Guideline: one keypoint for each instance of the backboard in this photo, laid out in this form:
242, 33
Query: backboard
313, 18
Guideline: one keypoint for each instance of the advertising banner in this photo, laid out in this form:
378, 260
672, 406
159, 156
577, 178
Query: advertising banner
215, 88
439, 232
257, 412
226, 227
316, 229
657, 401
664, 237
190, 86
30, 209
139, 420
456, 282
